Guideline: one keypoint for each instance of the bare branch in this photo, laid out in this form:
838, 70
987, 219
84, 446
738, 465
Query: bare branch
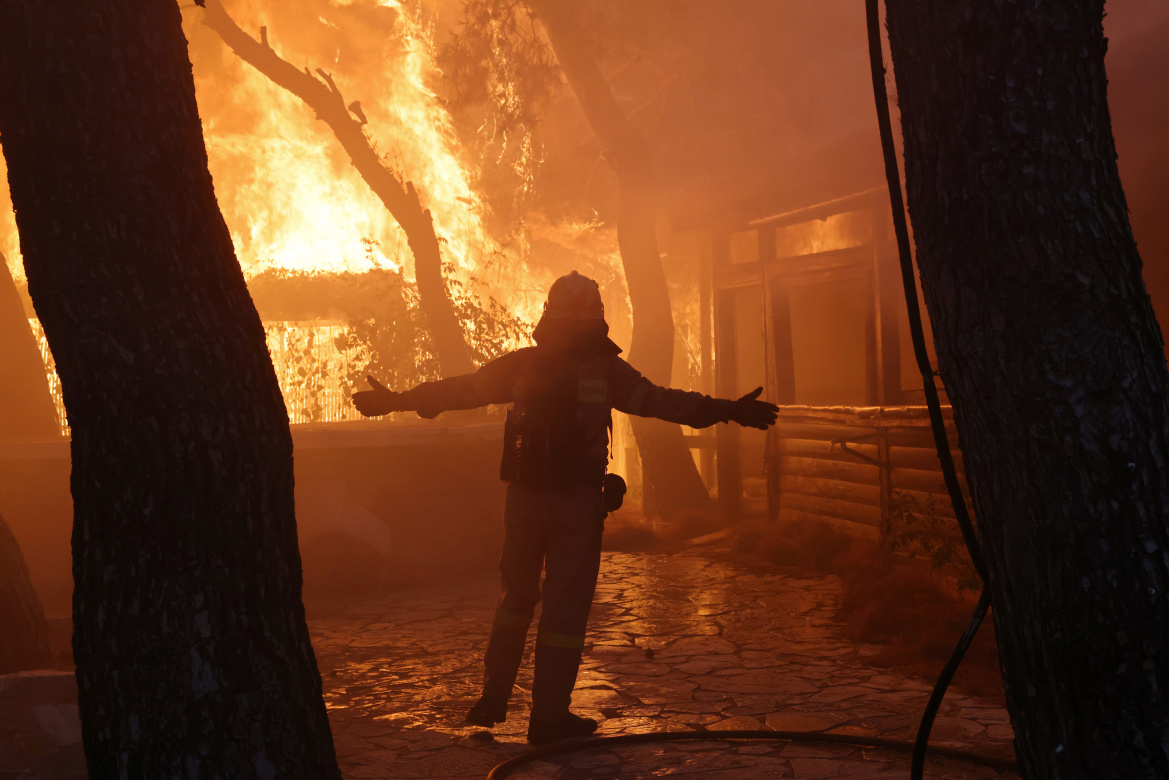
328, 78
399, 198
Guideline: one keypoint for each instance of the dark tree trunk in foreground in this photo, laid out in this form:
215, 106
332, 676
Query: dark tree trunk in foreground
193, 658
400, 199
22, 619
668, 466
1053, 359
26, 407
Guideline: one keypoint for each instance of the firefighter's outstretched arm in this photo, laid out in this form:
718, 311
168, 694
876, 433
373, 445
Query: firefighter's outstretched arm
634, 394
491, 384
378, 401
753, 413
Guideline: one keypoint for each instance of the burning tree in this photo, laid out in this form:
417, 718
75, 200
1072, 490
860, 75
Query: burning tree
1053, 359
193, 657
399, 196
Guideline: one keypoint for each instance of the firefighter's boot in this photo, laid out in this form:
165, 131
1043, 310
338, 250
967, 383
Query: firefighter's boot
502, 663
489, 710
555, 677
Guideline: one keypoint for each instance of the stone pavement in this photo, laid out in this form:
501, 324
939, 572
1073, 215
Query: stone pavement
681, 641
40, 731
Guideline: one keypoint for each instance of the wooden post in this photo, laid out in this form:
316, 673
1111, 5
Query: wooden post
888, 293
783, 378
782, 351
705, 315
765, 237
730, 483
774, 343
767, 250
874, 389
883, 474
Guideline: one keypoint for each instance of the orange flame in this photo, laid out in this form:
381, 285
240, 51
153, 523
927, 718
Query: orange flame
289, 195
9, 241
292, 200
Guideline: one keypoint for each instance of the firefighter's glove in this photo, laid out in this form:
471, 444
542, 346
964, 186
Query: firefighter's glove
753, 413
378, 401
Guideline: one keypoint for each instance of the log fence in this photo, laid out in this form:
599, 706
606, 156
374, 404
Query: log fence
846, 465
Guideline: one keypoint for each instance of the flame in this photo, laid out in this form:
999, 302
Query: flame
292, 200
9, 241
838, 231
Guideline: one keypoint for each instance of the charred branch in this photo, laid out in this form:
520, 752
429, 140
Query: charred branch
321, 94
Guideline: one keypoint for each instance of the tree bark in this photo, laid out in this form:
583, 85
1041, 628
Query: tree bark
26, 407
22, 619
193, 657
1053, 359
666, 460
400, 199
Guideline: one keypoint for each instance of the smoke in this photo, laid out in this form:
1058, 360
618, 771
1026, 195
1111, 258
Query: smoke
1138, 73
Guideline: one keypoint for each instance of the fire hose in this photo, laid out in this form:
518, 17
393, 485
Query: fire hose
919, 747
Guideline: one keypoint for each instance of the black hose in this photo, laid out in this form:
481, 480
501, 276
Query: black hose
901, 229
941, 443
571, 745
939, 691
938, 425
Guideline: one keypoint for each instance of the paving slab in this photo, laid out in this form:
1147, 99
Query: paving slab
696, 640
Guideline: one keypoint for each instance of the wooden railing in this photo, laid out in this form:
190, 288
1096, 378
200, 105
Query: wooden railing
854, 465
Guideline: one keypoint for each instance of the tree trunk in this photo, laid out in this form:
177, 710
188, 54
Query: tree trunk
22, 619
1053, 360
26, 407
400, 199
666, 460
193, 657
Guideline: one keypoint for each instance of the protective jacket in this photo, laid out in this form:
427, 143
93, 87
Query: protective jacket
563, 396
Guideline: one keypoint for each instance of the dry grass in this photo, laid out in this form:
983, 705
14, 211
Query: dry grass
630, 537
916, 616
807, 545
629, 530
912, 613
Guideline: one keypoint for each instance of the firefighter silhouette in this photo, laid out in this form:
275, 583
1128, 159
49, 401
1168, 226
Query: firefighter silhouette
556, 450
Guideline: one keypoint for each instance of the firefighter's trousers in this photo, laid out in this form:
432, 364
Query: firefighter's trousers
558, 530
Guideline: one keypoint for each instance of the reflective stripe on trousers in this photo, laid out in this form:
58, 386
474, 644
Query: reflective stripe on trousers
559, 531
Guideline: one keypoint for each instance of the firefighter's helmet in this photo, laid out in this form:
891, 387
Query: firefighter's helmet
574, 297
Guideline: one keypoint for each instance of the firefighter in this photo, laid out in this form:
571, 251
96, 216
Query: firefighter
556, 450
